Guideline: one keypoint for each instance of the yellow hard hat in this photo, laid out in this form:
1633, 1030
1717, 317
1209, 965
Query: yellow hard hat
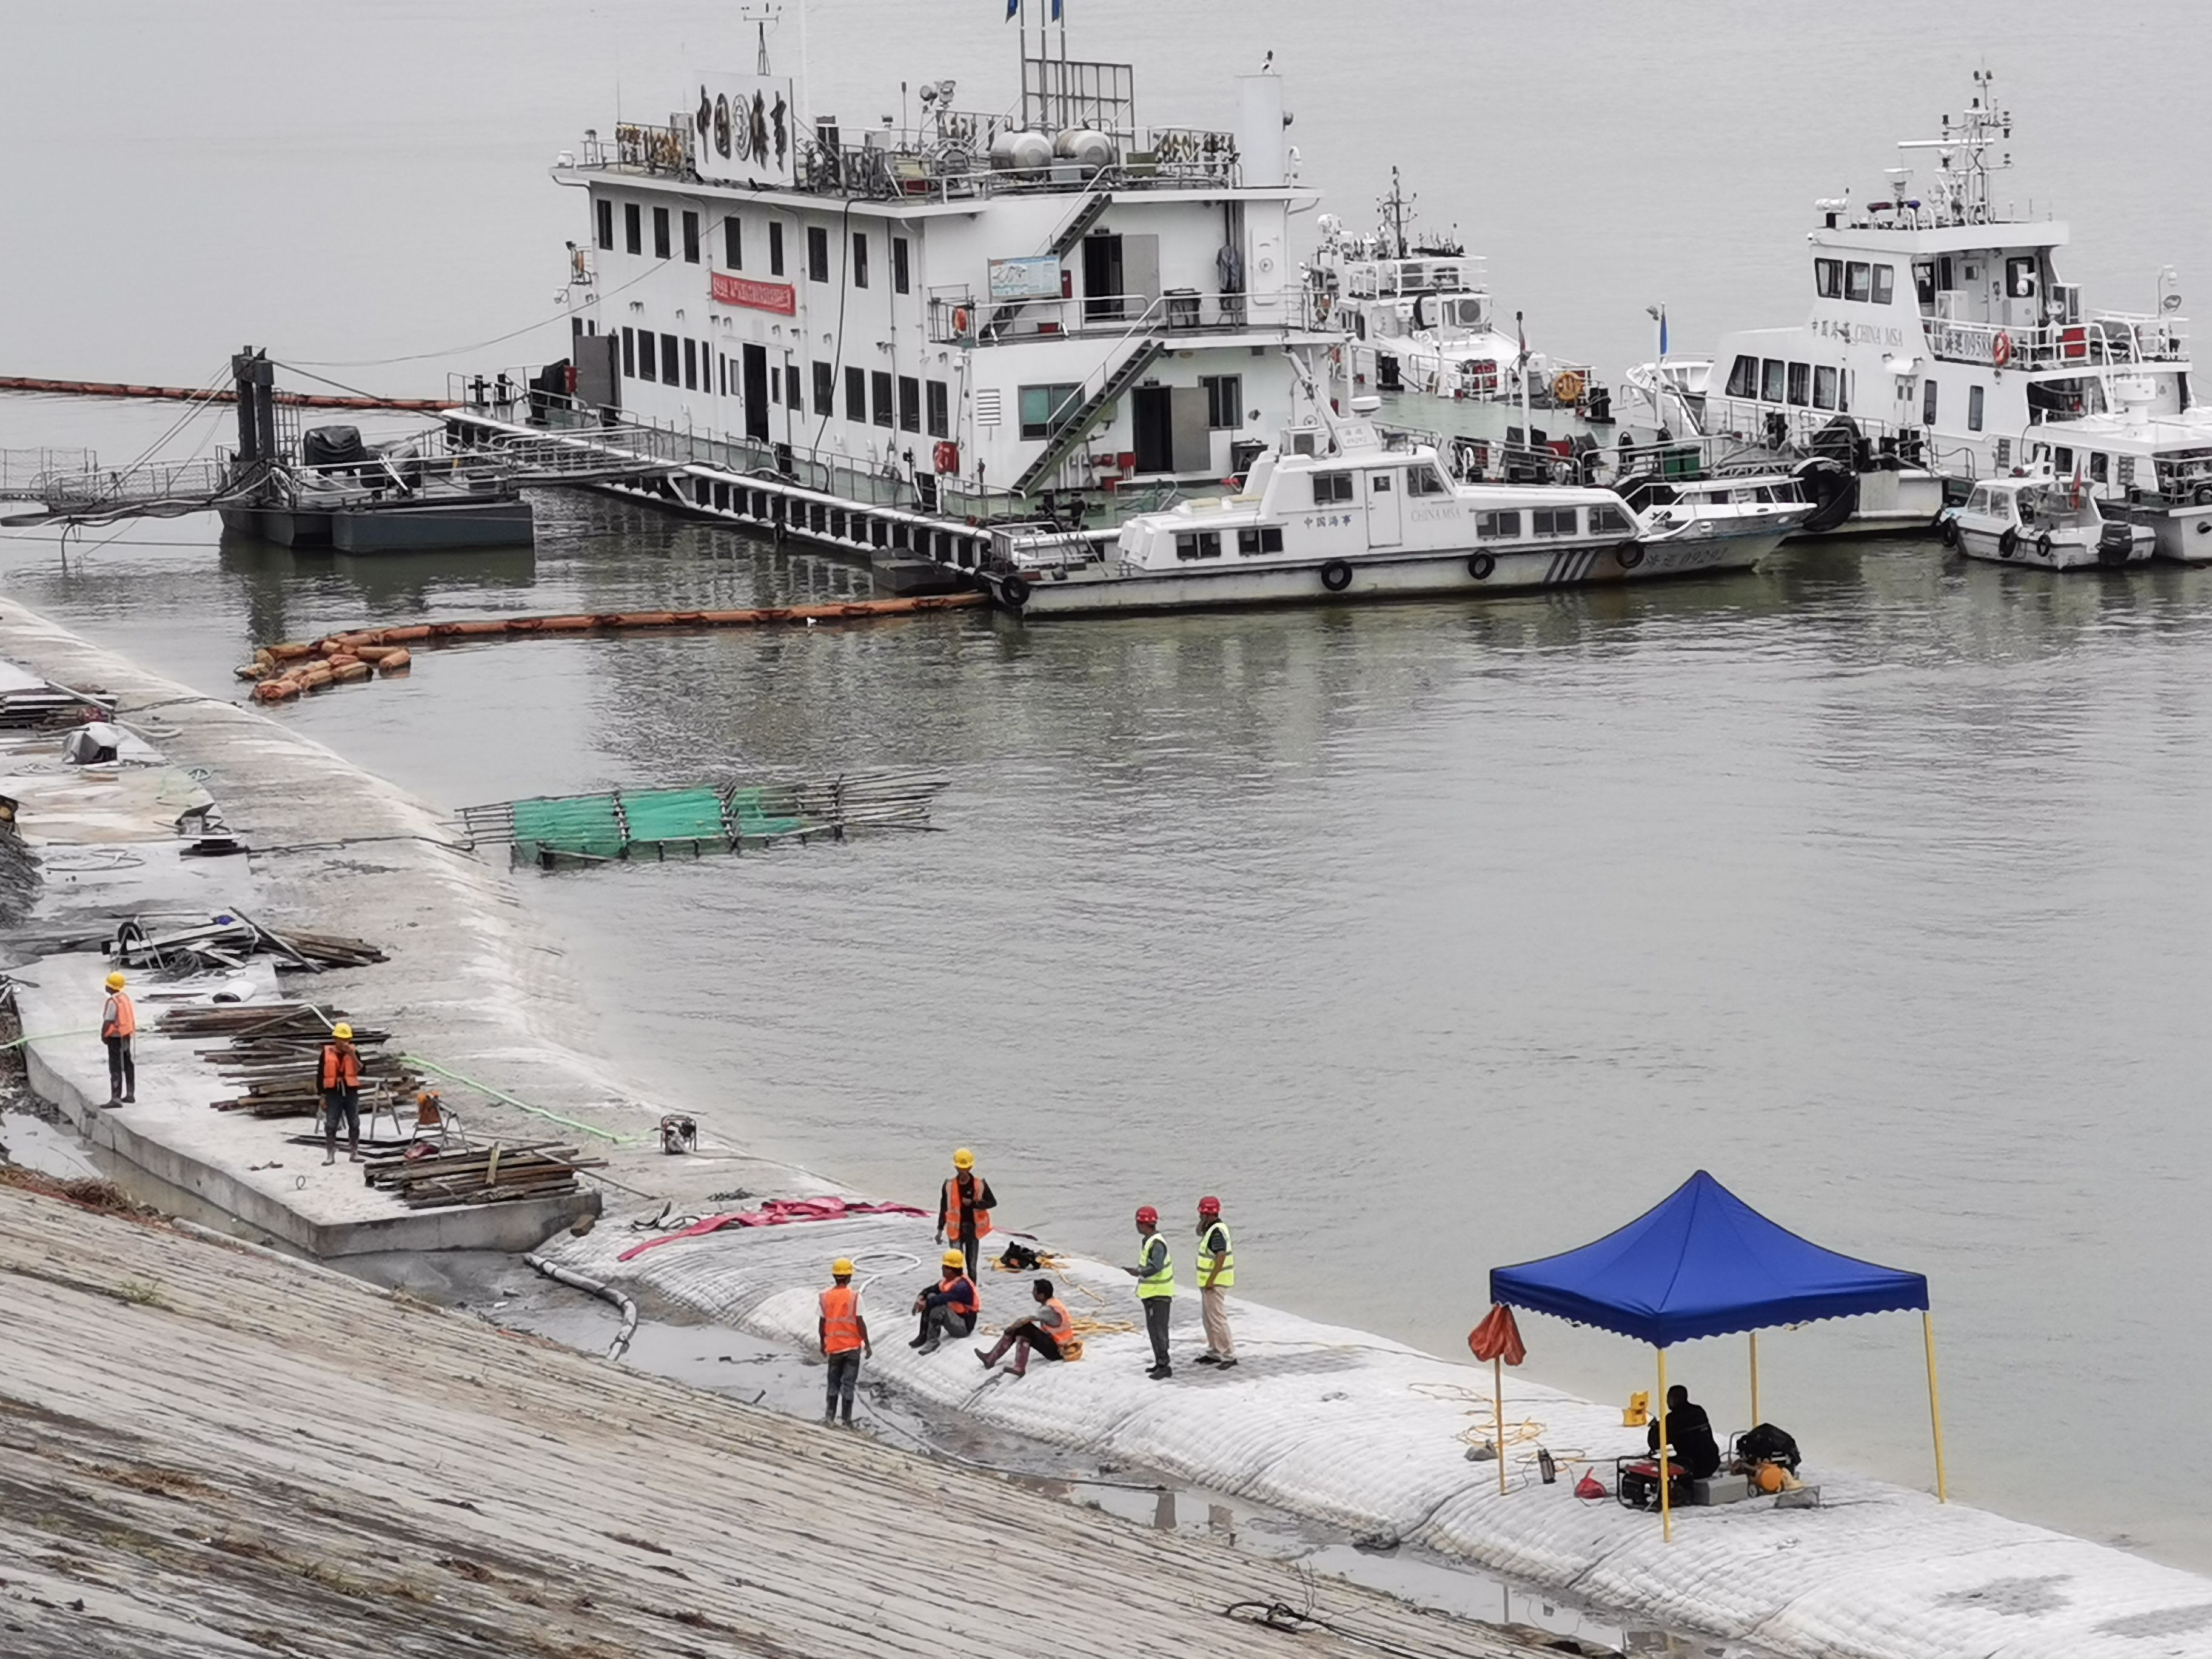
955, 1258
841, 1269
964, 1159
342, 1031
115, 981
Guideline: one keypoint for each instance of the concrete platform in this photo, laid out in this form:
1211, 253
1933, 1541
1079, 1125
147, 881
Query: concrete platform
242, 1166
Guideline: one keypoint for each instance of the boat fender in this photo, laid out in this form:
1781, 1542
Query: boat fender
1630, 556
2008, 542
1481, 566
2043, 543
1014, 591
1948, 529
2203, 497
1336, 575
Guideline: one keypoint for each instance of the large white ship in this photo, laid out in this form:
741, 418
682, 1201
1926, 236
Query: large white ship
1940, 335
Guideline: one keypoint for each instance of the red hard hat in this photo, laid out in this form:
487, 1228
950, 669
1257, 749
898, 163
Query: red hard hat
1148, 1217
1209, 1206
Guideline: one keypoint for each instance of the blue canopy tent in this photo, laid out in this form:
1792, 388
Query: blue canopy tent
1702, 1262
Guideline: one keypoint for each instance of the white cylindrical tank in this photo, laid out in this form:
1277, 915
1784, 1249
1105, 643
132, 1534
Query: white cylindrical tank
1087, 147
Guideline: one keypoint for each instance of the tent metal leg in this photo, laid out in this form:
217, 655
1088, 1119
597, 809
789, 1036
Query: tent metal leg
1497, 1400
1755, 1418
1935, 1405
1666, 1459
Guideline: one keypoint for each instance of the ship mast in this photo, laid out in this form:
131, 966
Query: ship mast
1393, 215
1965, 174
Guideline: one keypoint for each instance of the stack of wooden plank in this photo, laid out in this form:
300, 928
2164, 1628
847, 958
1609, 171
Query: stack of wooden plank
273, 1055
488, 1175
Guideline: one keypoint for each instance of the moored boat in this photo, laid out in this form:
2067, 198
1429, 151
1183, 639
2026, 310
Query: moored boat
2041, 520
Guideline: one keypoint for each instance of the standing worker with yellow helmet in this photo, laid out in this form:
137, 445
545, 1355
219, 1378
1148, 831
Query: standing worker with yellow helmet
340, 1081
964, 1209
1155, 1276
844, 1337
119, 1024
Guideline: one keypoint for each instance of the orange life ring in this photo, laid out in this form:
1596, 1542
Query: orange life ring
960, 319
2000, 349
947, 456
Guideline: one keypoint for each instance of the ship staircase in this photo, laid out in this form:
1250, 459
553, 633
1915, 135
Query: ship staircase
1143, 351
1088, 213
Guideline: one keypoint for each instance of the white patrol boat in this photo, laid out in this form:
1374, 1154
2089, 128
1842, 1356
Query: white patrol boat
1938, 332
1339, 510
1745, 501
2154, 470
2042, 520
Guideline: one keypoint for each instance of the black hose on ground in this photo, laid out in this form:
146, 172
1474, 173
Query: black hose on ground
592, 1287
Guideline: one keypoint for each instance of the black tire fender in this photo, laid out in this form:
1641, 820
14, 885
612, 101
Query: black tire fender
1336, 575
1630, 556
1947, 530
2203, 497
1481, 566
2008, 542
1013, 592
2043, 543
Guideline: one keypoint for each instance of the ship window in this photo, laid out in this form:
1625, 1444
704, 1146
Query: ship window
1928, 403
909, 403
1923, 283
1800, 384
901, 266
629, 353
1973, 408
633, 227
1743, 379
1552, 521
668, 365
691, 365
859, 259
1426, 481
791, 391
660, 232
603, 212
1225, 401
646, 368
2062, 461
1885, 284
818, 254
1047, 409
733, 243
774, 248
825, 388
1199, 545
2099, 467
1607, 521
856, 394
1493, 525
2020, 277
941, 411
1330, 488
1770, 380
2002, 447
1856, 284
1261, 538
691, 237
1824, 387
1828, 278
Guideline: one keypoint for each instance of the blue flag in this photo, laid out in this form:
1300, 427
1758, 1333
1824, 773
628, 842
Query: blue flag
1013, 9
1055, 11
1662, 333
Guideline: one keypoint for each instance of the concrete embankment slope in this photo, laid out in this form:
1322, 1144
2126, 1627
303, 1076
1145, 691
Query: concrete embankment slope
206, 1452
1370, 1434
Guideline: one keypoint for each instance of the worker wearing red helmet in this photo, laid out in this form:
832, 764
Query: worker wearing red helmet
1156, 1288
1217, 1272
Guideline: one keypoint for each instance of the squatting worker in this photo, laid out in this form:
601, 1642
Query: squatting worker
341, 1086
1690, 1432
119, 1024
1155, 1276
1045, 1331
963, 1208
947, 1308
1217, 1272
844, 1337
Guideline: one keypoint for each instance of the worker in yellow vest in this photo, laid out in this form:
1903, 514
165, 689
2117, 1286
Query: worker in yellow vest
1156, 1288
119, 1024
1217, 1272
843, 1333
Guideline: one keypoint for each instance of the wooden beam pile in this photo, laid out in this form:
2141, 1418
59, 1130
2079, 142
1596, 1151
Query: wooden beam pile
489, 1174
274, 1055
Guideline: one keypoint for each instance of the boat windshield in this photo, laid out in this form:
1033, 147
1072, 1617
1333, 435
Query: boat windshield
2057, 508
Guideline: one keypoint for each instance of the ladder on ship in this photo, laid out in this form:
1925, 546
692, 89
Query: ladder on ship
1078, 425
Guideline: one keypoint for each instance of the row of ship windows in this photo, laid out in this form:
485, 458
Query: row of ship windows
901, 400
1854, 279
1816, 385
1490, 526
734, 244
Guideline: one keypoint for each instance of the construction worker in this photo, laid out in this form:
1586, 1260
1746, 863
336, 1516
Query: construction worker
1048, 1331
844, 1337
963, 1208
340, 1086
947, 1308
119, 1024
1217, 1272
1155, 1276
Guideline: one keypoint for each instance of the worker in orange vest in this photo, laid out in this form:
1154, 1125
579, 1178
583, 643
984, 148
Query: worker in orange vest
964, 1209
119, 1023
340, 1086
844, 1337
947, 1308
1049, 1331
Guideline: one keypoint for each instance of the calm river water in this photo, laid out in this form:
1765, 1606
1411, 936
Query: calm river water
1432, 937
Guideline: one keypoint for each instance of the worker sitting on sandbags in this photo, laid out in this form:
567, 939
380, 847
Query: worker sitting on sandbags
1050, 1330
947, 1308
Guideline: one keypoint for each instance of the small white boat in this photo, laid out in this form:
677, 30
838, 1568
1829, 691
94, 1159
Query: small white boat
1744, 502
2042, 520
1339, 511
2154, 470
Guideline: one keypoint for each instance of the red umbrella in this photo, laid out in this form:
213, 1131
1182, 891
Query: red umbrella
1498, 1340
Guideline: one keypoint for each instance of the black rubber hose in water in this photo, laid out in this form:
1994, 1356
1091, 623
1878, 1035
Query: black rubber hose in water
605, 1292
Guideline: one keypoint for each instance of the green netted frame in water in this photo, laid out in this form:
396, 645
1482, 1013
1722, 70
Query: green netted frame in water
624, 824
